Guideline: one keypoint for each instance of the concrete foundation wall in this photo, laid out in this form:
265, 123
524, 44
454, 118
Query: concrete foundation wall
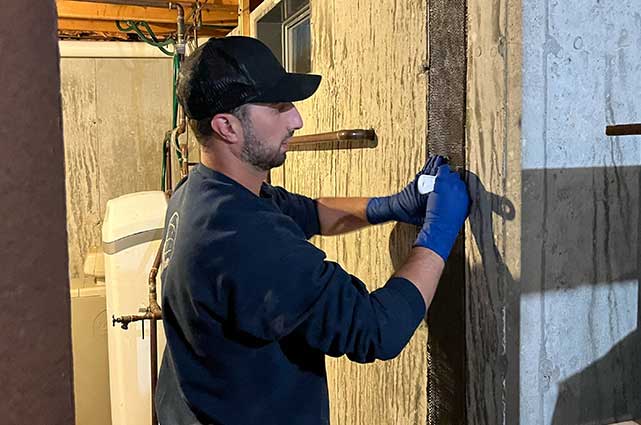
580, 336
116, 110
371, 58
553, 327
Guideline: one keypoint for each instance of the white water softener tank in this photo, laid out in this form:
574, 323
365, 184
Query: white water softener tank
131, 235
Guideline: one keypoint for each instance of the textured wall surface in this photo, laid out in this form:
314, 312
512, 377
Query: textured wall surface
371, 59
116, 112
35, 340
493, 233
553, 303
580, 340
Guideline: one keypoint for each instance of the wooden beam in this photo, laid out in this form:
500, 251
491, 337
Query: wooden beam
82, 10
209, 5
243, 17
86, 25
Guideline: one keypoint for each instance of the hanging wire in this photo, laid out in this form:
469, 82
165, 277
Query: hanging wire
196, 16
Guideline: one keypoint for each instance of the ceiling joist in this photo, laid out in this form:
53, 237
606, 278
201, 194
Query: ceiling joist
218, 16
108, 28
206, 4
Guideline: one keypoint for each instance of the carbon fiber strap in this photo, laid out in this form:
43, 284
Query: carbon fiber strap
447, 44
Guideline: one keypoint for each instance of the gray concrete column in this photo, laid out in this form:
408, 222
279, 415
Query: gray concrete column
553, 331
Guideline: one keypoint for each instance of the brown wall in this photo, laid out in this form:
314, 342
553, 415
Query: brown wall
35, 335
371, 58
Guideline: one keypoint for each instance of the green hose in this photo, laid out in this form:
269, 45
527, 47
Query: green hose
175, 106
153, 41
134, 26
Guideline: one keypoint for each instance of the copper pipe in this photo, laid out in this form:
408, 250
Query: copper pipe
153, 341
336, 136
184, 151
180, 33
181, 119
168, 148
623, 130
184, 148
156, 314
126, 320
153, 311
154, 308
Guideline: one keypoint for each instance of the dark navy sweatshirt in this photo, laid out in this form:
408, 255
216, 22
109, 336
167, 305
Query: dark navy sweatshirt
251, 308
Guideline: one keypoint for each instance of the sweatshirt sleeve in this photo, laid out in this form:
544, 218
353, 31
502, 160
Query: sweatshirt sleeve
285, 285
300, 208
348, 320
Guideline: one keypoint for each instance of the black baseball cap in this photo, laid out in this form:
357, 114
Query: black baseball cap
225, 73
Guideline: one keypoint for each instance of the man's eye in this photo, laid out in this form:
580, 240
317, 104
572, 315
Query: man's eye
284, 107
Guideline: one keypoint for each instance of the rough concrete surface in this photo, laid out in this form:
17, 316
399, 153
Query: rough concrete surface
553, 334
580, 343
116, 112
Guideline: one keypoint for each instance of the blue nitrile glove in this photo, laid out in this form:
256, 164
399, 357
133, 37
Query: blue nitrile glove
407, 206
447, 207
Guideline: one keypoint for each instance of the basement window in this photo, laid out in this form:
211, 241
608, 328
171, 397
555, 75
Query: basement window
286, 30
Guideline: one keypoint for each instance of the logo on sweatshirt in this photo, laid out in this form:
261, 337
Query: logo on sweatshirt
170, 239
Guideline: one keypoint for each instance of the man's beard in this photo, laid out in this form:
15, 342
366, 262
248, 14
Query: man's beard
258, 154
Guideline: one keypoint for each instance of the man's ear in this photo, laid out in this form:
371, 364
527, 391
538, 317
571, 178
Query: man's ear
227, 127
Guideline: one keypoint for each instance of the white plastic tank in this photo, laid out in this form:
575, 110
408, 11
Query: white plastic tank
131, 235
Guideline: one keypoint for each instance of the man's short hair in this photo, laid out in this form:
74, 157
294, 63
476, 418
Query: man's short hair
202, 128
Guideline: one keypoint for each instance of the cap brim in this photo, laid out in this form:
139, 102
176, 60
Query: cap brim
291, 88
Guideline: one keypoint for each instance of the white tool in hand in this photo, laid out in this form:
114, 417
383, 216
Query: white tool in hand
426, 184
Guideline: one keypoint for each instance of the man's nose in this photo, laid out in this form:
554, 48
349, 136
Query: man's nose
295, 120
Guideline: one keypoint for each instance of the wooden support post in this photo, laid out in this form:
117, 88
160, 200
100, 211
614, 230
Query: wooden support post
243, 17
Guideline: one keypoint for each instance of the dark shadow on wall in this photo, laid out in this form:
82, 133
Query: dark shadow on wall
492, 322
579, 228
608, 391
584, 230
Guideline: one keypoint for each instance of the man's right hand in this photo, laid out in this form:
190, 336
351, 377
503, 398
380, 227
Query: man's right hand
408, 205
446, 211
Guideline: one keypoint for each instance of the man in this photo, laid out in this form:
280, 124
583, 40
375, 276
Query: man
250, 307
